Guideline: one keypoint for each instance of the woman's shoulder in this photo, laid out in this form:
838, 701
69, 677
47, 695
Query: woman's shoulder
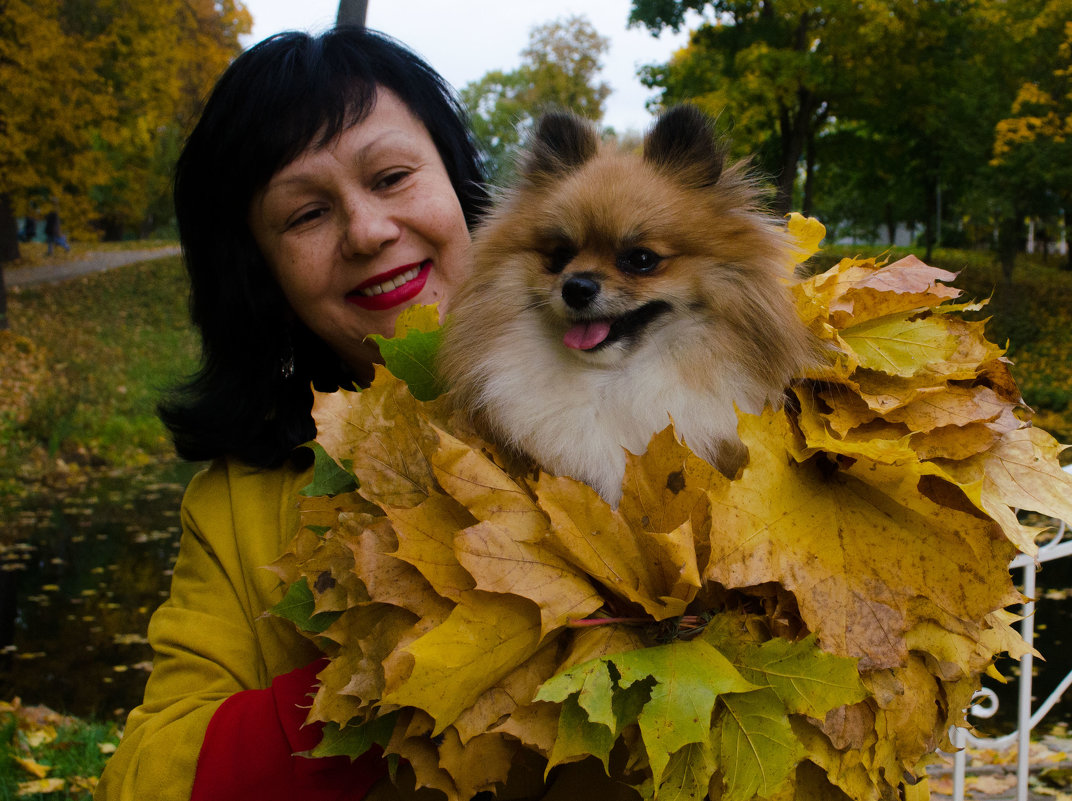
228, 477
229, 495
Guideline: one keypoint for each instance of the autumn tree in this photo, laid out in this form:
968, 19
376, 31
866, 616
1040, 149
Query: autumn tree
560, 69
97, 97
772, 70
99, 93
1035, 141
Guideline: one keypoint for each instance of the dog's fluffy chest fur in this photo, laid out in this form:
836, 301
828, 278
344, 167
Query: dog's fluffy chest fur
578, 419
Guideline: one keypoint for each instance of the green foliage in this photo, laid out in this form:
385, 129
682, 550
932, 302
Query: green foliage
354, 740
560, 68
411, 355
297, 606
890, 110
714, 703
328, 477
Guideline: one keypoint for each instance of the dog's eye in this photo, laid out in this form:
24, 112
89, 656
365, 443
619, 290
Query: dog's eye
560, 257
638, 260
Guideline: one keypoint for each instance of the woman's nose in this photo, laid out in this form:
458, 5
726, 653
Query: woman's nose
369, 228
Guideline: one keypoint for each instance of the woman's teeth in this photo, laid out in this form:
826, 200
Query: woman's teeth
391, 283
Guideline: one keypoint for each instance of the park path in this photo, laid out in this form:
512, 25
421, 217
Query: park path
92, 263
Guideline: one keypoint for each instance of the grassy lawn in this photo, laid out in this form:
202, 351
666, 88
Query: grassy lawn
84, 363
48, 756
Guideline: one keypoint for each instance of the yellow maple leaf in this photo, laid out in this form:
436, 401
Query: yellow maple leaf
380, 433
826, 538
808, 232
485, 637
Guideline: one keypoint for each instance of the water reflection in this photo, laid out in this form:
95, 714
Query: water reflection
80, 574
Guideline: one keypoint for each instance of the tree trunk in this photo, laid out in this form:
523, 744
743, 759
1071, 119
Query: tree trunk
1010, 236
930, 209
1068, 236
352, 12
9, 251
809, 174
794, 134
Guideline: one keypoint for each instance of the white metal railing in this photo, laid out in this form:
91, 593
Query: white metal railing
985, 703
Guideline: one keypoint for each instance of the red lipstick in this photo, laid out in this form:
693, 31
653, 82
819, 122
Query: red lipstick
392, 297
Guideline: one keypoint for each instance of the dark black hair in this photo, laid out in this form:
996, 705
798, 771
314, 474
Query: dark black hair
278, 98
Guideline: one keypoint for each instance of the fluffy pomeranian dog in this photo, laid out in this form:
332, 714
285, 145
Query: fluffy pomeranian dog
612, 291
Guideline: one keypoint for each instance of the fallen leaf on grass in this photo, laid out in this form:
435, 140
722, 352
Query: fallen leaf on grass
31, 767
40, 786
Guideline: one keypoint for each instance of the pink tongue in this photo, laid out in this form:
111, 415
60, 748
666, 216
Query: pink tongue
585, 336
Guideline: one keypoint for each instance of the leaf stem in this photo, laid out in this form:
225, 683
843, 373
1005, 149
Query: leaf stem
604, 621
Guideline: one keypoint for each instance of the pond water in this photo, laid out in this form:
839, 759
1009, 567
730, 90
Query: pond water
82, 571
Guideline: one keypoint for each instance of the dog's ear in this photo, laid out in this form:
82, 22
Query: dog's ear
560, 142
683, 141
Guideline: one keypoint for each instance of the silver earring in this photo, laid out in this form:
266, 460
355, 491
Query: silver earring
286, 365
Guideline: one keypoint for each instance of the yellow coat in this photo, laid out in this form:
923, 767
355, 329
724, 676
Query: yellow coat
211, 638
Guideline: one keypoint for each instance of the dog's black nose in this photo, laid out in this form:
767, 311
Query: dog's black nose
579, 290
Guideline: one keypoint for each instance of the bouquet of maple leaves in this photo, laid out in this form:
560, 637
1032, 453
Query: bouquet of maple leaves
817, 622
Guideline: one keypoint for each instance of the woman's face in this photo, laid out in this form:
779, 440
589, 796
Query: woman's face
358, 230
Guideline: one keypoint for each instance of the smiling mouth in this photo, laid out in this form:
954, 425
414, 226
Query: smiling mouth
593, 335
399, 286
391, 283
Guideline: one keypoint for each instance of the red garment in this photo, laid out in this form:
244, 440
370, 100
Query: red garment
251, 742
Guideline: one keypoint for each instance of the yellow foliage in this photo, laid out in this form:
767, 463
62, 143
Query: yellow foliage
487, 607
92, 102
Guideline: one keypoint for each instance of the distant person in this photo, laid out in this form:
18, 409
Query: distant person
29, 229
53, 235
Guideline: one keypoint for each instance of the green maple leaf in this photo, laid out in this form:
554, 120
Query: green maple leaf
688, 773
579, 737
684, 679
755, 744
591, 681
298, 607
594, 709
329, 478
806, 679
353, 740
410, 353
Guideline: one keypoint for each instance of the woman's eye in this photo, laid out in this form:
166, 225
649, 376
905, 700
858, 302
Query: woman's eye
638, 260
391, 178
559, 258
305, 217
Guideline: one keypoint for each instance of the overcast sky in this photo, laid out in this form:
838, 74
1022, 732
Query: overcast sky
464, 39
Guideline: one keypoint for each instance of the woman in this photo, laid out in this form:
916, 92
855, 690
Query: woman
329, 183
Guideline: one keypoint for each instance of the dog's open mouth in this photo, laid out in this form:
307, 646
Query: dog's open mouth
595, 334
